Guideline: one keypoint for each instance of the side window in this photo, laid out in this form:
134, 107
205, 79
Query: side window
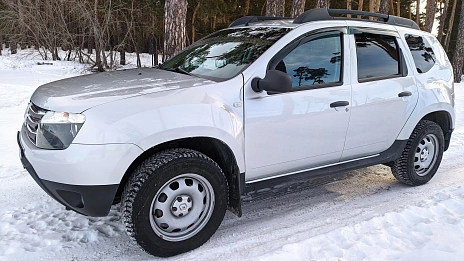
317, 61
378, 55
422, 53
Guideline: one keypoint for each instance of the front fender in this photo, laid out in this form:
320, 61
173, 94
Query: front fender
213, 111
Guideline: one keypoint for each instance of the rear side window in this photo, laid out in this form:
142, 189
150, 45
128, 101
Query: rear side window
377, 55
422, 52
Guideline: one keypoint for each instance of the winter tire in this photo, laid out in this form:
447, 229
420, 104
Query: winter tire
421, 156
174, 202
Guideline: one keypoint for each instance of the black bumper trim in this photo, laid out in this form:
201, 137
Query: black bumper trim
92, 201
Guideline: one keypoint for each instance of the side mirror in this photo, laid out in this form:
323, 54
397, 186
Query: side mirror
274, 82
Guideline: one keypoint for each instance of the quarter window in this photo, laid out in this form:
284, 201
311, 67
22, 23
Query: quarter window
422, 53
378, 55
315, 62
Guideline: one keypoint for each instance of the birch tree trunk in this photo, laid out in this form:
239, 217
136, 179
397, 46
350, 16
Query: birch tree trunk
174, 27
322, 3
384, 6
298, 7
430, 15
442, 21
450, 26
458, 59
275, 8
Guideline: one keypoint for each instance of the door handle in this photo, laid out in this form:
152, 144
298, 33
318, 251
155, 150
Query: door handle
339, 104
404, 94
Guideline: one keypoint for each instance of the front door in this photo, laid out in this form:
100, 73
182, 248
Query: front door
304, 128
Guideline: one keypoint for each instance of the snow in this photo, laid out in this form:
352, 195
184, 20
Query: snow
358, 215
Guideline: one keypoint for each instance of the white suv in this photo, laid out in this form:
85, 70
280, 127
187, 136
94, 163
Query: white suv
263, 99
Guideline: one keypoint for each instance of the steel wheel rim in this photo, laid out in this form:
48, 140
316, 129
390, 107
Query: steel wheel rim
426, 154
182, 207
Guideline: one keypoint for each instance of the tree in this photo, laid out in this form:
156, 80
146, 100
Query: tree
417, 12
275, 8
450, 27
384, 6
398, 8
174, 27
360, 7
430, 15
298, 7
458, 58
322, 3
443, 16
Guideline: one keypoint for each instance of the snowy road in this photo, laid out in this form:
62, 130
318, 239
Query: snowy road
358, 215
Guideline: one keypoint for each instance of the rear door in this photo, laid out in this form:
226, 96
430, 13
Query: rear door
384, 92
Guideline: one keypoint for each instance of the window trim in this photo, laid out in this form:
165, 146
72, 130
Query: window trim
304, 39
402, 66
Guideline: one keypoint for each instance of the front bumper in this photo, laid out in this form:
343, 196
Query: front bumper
87, 199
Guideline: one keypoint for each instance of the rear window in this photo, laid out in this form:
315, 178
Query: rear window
422, 52
377, 55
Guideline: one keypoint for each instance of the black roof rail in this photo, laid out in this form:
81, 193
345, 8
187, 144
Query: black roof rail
252, 19
322, 14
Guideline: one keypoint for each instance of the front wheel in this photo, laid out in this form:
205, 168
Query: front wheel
174, 202
422, 155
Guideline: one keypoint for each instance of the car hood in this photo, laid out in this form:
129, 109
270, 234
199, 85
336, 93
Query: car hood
80, 93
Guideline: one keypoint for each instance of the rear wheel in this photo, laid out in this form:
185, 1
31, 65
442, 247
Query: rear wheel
174, 202
422, 155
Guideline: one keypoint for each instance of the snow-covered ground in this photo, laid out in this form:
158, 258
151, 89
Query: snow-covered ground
358, 215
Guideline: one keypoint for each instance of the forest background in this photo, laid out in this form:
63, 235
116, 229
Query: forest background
100, 32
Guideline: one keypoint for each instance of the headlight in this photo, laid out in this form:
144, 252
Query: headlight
58, 129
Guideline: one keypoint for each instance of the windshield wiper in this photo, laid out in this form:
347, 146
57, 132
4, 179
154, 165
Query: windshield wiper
179, 69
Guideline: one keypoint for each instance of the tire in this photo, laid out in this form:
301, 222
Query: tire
422, 155
174, 202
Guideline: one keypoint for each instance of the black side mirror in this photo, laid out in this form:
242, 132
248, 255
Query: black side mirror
274, 82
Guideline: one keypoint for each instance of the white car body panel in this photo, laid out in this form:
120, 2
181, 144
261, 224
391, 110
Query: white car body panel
377, 113
297, 130
81, 164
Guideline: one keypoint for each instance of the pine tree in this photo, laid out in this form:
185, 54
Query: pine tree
458, 57
174, 27
275, 8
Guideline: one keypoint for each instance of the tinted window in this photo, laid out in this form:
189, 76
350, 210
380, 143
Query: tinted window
422, 53
377, 55
317, 61
226, 53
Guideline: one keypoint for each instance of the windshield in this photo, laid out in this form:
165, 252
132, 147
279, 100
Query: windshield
226, 53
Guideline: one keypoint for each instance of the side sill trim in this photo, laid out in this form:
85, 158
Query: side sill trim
389, 155
310, 169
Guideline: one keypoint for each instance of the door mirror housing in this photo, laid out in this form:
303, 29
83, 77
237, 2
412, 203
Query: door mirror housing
274, 82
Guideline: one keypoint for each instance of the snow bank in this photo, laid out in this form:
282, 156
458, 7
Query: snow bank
432, 230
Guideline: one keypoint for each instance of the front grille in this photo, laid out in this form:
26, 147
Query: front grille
31, 121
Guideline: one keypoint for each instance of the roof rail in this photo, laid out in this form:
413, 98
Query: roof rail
252, 19
322, 14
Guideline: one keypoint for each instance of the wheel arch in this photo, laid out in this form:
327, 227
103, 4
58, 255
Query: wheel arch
217, 150
443, 119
